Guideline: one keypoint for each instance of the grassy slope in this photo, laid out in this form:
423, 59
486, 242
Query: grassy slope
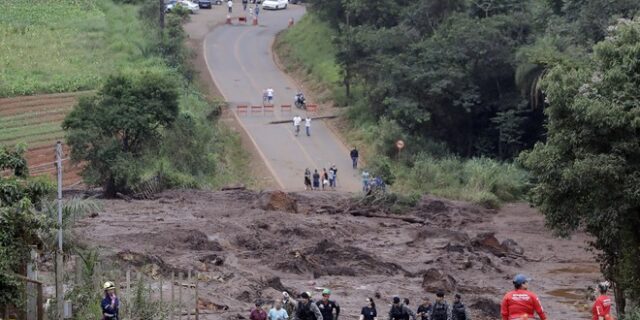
307, 49
65, 45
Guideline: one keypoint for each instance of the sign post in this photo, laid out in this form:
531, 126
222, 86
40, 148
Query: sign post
399, 146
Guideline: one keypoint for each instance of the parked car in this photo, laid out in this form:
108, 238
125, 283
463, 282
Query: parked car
274, 4
295, 1
204, 4
192, 7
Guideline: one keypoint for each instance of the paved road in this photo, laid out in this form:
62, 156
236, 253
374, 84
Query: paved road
240, 60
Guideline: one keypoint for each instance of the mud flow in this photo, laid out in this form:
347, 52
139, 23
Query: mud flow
253, 245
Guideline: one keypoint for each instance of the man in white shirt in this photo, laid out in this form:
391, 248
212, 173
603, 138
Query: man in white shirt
270, 95
230, 5
307, 125
296, 123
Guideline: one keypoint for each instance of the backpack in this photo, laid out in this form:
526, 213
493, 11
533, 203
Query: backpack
398, 313
439, 311
458, 312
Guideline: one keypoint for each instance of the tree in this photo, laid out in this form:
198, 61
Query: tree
20, 223
112, 130
588, 171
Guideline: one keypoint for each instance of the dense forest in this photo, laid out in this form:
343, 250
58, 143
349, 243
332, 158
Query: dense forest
462, 72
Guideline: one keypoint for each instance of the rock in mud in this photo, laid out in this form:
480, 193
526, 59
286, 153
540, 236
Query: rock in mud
278, 201
487, 241
487, 307
434, 280
512, 246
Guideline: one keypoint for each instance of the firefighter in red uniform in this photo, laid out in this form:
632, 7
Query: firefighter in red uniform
602, 306
520, 304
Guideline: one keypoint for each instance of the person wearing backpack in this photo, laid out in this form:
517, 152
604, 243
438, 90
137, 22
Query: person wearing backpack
458, 310
440, 309
400, 311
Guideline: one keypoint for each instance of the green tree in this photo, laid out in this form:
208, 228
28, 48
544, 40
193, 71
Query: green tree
112, 130
588, 171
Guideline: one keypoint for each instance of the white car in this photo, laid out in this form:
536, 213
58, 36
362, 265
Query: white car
192, 7
274, 4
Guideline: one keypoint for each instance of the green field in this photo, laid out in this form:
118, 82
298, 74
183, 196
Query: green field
66, 45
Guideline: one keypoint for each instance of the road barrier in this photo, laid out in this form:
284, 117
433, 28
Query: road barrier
242, 109
242, 20
285, 107
290, 22
256, 109
255, 21
228, 19
312, 107
268, 108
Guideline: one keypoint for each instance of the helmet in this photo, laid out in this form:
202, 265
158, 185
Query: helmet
326, 291
108, 285
603, 286
520, 279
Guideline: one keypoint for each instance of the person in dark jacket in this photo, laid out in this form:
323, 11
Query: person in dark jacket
306, 309
440, 309
327, 306
354, 157
458, 310
424, 310
110, 304
369, 311
399, 311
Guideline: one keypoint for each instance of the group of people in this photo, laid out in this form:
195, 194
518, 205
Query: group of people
321, 180
297, 121
518, 304
255, 11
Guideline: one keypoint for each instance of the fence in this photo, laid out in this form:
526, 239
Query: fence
34, 308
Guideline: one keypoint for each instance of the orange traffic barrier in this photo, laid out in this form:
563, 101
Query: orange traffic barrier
255, 21
228, 19
268, 108
285, 107
242, 19
242, 109
312, 107
255, 109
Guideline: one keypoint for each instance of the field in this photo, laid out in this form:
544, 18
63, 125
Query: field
36, 120
66, 45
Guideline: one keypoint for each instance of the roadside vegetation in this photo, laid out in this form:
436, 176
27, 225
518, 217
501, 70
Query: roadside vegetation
479, 90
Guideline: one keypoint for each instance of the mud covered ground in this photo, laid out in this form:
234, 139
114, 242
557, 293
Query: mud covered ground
254, 245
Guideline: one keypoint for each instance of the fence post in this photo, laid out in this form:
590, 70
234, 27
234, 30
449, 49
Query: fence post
197, 315
189, 284
128, 296
173, 307
180, 295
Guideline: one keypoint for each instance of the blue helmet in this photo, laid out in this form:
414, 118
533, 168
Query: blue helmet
520, 279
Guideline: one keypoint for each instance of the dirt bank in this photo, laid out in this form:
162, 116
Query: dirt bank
254, 251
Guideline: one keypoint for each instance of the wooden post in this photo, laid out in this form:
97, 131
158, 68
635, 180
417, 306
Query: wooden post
128, 296
32, 273
189, 284
59, 259
197, 315
173, 307
40, 302
180, 296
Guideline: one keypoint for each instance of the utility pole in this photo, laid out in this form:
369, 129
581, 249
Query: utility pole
161, 4
59, 260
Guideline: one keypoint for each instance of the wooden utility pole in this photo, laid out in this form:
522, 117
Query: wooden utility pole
59, 260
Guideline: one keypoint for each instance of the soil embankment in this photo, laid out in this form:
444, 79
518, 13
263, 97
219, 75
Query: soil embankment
254, 245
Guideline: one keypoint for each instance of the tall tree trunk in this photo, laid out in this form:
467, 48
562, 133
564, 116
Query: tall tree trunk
621, 301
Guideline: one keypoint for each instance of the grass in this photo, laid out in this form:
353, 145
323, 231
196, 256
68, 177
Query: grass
66, 45
307, 48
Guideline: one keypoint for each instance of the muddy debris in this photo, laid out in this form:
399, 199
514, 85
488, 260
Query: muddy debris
434, 280
512, 247
277, 201
487, 307
205, 304
487, 241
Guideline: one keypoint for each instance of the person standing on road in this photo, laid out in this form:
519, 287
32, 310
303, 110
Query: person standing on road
521, 303
257, 10
230, 6
277, 313
369, 311
316, 180
602, 306
458, 310
289, 304
296, 123
110, 304
424, 310
258, 313
306, 309
332, 179
269, 92
365, 181
307, 179
399, 311
335, 175
307, 125
325, 178
244, 5
440, 309
354, 157
327, 306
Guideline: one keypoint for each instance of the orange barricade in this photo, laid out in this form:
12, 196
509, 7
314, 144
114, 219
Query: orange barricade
255, 109
285, 107
268, 108
242, 19
312, 107
242, 109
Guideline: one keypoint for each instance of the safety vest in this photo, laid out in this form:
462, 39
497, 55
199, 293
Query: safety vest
439, 311
304, 311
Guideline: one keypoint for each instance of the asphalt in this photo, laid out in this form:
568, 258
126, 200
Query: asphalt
240, 60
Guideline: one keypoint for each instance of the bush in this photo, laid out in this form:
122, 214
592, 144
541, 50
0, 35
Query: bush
634, 314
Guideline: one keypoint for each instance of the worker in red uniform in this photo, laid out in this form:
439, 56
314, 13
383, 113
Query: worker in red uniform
520, 304
602, 306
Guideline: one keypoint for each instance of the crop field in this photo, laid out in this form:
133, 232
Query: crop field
50, 46
36, 121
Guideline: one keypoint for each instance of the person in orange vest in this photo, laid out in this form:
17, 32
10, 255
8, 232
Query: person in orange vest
602, 306
520, 304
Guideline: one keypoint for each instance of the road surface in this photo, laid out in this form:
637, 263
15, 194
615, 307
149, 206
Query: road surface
241, 63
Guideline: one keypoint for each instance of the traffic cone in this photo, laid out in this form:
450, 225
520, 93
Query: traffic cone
228, 19
255, 20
